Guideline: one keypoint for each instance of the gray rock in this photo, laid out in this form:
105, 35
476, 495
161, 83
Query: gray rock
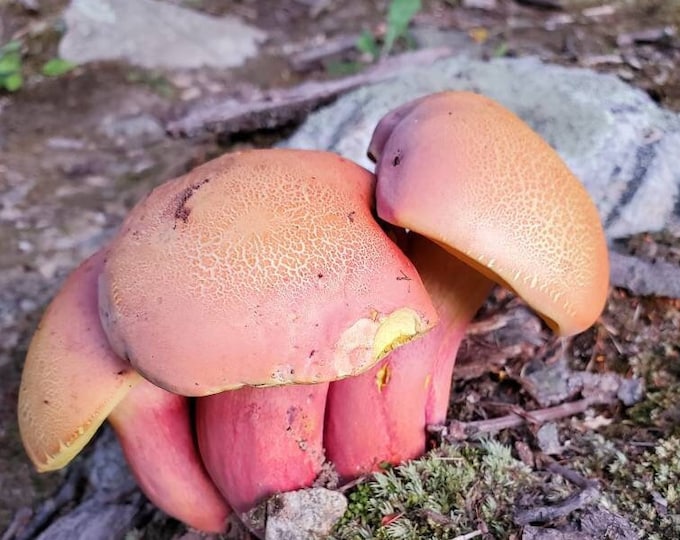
154, 34
93, 519
623, 147
306, 514
548, 439
107, 471
131, 130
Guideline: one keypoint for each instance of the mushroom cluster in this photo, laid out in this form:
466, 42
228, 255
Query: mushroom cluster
253, 320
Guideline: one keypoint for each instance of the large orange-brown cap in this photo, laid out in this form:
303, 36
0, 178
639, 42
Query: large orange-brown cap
71, 379
469, 174
259, 268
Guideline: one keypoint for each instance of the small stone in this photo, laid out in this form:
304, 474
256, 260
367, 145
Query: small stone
132, 130
25, 246
631, 391
93, 519
307, 514
548, 439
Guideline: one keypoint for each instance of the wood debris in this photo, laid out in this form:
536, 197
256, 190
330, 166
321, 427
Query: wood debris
277, 108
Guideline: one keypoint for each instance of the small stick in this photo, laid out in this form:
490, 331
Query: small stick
468, 536
317, 53
542, 514
588, 492
276, 108
571, 475
460, 431
352, 483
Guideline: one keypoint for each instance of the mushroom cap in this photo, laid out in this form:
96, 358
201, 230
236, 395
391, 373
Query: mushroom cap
259, 268
72, 379
467, 173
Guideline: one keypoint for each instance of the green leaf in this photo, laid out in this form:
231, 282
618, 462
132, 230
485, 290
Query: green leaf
56, 67
12, 82
399, 15
367, 44
10, 63
501, 50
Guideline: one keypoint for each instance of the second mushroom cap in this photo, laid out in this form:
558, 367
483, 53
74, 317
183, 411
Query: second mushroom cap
471, 176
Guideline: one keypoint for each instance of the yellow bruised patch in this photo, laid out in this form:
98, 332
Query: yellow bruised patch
398, 328
382, 378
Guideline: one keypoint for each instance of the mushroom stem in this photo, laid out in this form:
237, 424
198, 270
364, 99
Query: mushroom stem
154, 429
256, 442
410, 388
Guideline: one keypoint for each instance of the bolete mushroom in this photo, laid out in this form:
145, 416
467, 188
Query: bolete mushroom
481, 187
261, 284
260, 268
72, 381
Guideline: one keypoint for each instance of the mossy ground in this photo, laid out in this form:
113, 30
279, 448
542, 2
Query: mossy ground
632, 453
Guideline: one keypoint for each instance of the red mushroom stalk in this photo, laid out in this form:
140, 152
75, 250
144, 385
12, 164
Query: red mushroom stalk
155, 431
410, 388
261, 441
473, 178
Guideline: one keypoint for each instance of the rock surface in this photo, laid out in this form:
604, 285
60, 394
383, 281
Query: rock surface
306, 514
154, 34
623, 147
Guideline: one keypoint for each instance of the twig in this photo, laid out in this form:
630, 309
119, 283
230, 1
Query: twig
279, 107
542, 4
19, 522
589, 491
543, 514
467, 536
305, 59
571, 475
352, 483
460, 431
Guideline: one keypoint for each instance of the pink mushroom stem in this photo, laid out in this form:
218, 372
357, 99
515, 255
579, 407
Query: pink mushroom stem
381, 415
155, 432
260, 441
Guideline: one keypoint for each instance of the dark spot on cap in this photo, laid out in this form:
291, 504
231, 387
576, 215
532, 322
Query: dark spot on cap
178, 208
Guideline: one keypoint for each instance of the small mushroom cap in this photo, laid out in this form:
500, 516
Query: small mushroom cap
72, 379
259, 268
470, 175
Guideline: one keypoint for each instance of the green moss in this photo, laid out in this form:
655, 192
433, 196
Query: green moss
644, 487
451, 491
